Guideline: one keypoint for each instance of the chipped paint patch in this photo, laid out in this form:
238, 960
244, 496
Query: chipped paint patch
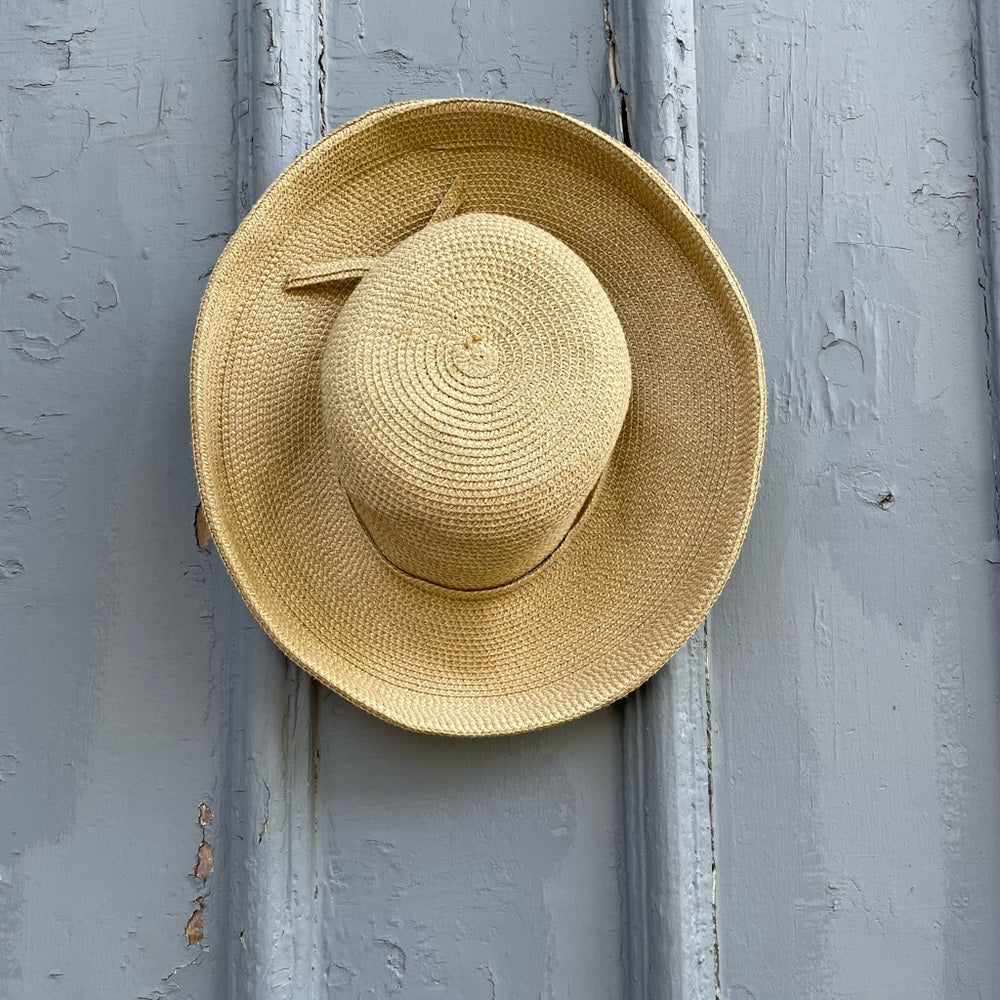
202, 532
194, 929
267, 813
204, 863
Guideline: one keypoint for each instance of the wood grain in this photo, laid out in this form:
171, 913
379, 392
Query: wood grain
116, 195
484, 869
667, 819
184, 814
854, 653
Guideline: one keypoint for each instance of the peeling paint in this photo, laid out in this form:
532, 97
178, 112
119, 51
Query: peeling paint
871, 487
204, 862
619, 96
8, 766
194, 928
10, 568
841, 155
262, 833
202, 532
106, 296
110, 166
395, 964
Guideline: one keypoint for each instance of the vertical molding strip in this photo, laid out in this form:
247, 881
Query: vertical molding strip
280, 111
986, 80
672, 952
269, 820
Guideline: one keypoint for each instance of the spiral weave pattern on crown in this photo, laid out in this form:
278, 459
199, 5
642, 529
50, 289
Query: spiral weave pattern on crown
474, 385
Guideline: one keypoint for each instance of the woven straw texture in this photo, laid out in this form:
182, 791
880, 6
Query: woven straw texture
490, 471
474, 386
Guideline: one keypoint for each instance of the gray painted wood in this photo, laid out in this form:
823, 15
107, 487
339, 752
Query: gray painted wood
491, 868
986, 75
116, 195
854, 653
361, 64
269, 935
667, 821
852, 659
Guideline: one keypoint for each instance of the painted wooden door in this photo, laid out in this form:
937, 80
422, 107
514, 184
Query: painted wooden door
803, 804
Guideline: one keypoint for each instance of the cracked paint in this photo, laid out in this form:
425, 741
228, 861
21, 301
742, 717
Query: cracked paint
262, 833
619, 95
857, 251
46, 309
842, 176
549, 56
117, 152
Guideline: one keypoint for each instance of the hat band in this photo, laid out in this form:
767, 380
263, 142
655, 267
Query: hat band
580, 518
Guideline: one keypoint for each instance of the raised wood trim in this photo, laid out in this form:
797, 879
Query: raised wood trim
672, 949
281, 81
986, 48
653, 83
669, 885
271, 871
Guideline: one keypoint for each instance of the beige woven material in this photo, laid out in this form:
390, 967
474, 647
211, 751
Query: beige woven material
478, 414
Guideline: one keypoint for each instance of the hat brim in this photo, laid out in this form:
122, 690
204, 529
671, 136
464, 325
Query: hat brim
636, 574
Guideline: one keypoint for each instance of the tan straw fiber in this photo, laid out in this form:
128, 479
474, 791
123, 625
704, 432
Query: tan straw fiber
478, 414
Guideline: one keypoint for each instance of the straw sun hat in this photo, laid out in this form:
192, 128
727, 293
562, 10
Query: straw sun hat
478, 415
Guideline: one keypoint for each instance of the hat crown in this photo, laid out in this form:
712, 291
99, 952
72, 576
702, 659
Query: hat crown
474, 385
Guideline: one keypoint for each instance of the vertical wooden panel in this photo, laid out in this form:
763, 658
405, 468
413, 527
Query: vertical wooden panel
854, 653
482, 868
550, 54
554, 58
490, 868
117, 193
852, 658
